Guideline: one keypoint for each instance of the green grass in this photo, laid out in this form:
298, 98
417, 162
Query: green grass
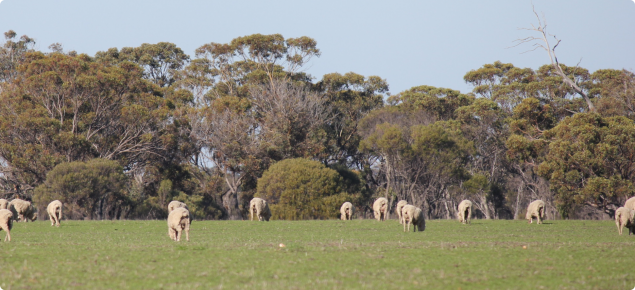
359, 254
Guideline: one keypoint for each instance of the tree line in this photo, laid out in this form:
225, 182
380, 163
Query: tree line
122, 133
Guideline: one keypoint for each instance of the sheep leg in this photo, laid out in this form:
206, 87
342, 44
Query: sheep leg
6, 229
251, 213
187, 233
172, 234
179, 233
52, 219
469, 215
621, 229
58, 217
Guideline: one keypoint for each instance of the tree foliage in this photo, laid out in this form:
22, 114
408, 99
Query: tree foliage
591, 162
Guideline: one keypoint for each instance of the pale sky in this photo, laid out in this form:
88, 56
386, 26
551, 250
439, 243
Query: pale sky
408, 43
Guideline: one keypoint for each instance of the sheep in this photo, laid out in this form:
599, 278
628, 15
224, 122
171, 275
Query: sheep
347, 210
179, 221
259, 207
465, 212
22, 210
380, 208
4, 204
6, 223
630, 203
54, 209
625, 217
400, 206
413, 215
176, 204
536, 209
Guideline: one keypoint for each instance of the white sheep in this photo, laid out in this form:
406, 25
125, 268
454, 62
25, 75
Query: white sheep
22, 210
400, 206
536, 209
179, 221
176, 204
259, 207
630, 203
347, 210
465, 212
6, 223
4, 204
380, 209
54, 209
625, 217
413, 215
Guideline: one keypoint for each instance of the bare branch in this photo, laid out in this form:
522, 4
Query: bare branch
543, 42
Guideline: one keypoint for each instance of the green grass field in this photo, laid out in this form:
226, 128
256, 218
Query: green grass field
359, 254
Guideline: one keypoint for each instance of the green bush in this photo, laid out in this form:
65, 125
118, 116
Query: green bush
93, 189
299, 189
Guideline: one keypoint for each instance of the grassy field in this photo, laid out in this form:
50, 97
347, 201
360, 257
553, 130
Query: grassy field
359, 254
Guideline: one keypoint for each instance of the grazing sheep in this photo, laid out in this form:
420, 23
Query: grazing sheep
6, 223
176, 204
400, 206
536, 209
380, 208
22, 210
259, 207
347, 211
413, 215
630, 203
54, 209
4, 204
179, 221
465, 212
625, 217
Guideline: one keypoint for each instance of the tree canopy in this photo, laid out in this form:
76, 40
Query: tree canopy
244, 118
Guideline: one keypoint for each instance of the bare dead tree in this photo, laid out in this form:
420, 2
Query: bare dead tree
288, 114
230, 142
542, 41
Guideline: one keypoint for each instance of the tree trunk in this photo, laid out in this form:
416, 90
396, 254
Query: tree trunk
518, 198
485, 208
447, 210
230, 203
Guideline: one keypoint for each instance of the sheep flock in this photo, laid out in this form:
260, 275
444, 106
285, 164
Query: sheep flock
179, 216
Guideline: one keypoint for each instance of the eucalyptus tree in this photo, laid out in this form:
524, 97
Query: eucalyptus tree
349, 97
65, 108
12, 53
252, 106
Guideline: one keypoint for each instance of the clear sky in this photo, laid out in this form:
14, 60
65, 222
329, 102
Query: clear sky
408, 43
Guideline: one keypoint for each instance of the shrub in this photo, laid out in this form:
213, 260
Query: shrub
93, 189
302, 189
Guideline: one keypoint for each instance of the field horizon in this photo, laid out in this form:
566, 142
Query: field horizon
318, 254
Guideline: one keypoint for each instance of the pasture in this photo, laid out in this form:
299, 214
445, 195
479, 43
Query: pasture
331, 254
